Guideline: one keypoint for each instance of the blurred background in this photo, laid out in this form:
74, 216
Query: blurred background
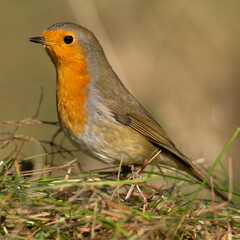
181, 59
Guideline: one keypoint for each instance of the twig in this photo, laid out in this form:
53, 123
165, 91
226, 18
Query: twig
155, 153
66, 177
44, 170
16, 157
118, 177
94, 221
214, 209
39, 103
55, 135
24, 121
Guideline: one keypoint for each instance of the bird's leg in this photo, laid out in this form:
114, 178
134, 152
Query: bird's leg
133, 185
137, 175
134, 176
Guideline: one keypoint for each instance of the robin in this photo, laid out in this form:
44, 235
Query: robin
97, 112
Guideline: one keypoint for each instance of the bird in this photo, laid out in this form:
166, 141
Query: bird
97, 112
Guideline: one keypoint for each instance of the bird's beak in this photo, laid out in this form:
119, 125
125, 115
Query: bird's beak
41, 40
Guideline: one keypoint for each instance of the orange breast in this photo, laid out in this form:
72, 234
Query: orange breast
72, 96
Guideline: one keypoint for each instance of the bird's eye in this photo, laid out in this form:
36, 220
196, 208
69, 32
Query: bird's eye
68, 39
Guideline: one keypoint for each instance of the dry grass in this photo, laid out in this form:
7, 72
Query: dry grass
58, 208
85, 208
